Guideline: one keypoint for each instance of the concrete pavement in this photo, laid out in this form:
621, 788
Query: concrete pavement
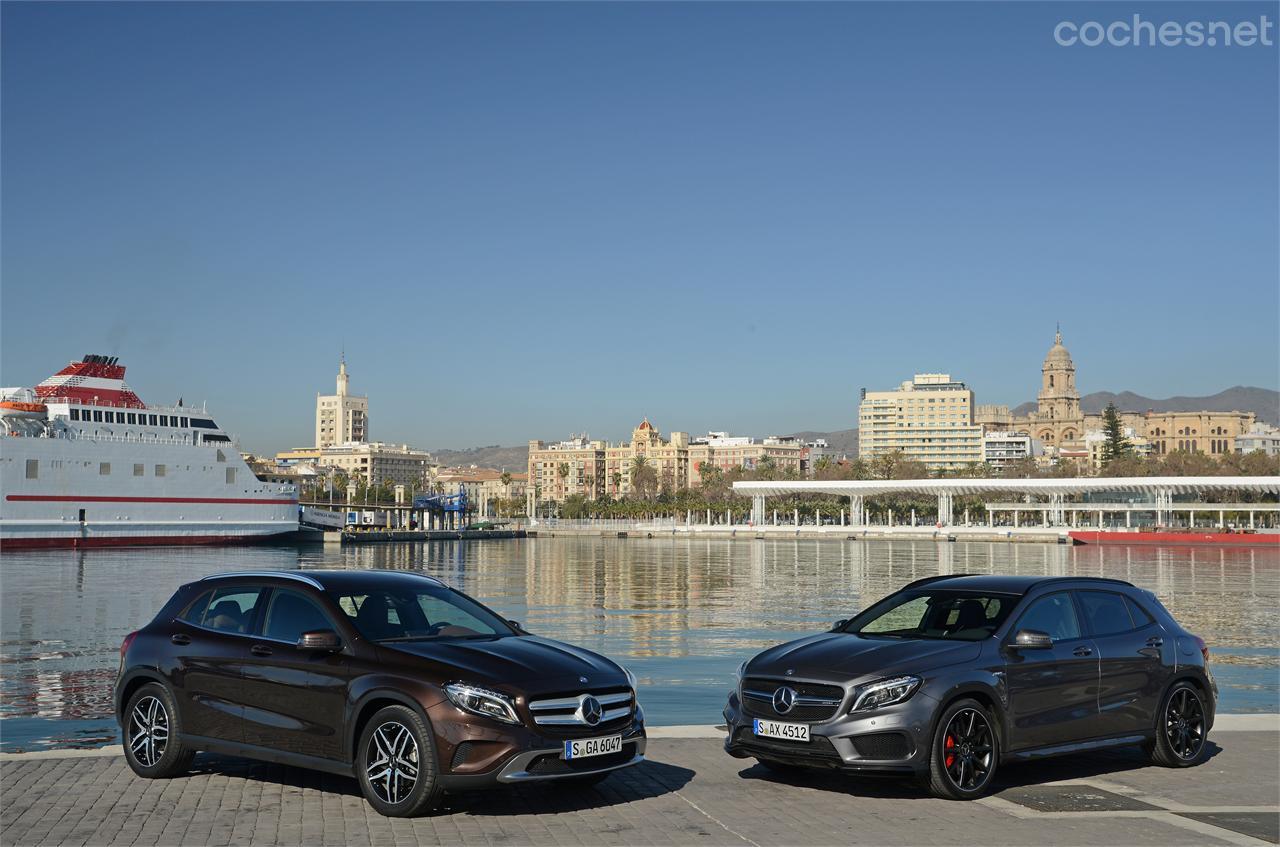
688, 792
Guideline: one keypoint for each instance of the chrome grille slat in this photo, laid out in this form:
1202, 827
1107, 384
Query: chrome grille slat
572, 702
570, 720
565, 711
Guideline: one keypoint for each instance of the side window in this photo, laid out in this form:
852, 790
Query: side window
231, 609
194, 613
291, 614
1053, 614
1140, 615
1105, 612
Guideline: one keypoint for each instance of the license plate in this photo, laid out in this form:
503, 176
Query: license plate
785, 731
584, 747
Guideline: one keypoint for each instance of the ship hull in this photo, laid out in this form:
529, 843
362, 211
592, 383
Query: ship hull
98, 492
1179, 539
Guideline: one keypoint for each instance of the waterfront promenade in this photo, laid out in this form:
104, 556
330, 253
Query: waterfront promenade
688, 792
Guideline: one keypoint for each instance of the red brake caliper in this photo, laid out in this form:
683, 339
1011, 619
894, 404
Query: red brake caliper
949, 743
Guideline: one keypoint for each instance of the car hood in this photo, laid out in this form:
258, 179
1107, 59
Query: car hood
523, 664
843, 657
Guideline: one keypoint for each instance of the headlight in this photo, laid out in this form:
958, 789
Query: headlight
482, 701
884, 692
631, 679
741, 671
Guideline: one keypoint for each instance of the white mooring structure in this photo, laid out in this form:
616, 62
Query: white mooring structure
1073, 502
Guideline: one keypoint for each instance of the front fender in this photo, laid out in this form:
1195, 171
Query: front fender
417, 694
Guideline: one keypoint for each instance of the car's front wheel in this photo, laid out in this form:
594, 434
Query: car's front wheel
1181, 728
396, 763
152, 743
965, 752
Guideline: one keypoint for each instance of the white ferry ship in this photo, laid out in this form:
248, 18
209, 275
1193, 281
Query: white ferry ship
85, 463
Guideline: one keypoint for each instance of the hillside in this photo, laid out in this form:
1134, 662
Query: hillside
514, 459
1263, 402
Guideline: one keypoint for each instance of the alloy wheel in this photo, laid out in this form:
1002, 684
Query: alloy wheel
1184, 724
148, 731
391, 762
967, 749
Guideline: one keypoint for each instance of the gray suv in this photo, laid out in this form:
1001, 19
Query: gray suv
951, 675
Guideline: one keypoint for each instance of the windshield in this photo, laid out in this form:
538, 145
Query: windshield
420, 613
951, 615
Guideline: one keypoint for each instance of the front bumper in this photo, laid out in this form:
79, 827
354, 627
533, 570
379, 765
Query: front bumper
892, 740
477, 753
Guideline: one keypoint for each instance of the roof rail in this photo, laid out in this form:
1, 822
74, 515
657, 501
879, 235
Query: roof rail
281, 574
935, 578
1105, 579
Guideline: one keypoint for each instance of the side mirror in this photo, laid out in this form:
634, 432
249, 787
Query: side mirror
324, 640
1032, 639
517, 627
840, 624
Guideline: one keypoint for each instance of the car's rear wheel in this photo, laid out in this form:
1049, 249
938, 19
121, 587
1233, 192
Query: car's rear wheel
152, 739
965, 752
396, 763
1181, 728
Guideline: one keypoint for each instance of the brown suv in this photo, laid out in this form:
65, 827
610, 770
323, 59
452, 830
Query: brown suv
392, 677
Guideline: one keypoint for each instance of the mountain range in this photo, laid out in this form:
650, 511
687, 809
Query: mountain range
1263, 402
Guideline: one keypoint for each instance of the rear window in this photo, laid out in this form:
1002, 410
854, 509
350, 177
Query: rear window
1105, 612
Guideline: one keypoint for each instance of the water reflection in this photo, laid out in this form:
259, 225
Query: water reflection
682, 613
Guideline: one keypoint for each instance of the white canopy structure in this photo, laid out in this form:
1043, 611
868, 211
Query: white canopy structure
1162, 490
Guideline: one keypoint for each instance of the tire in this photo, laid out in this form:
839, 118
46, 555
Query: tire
964, 752
1181, 728
396, 747
152, 734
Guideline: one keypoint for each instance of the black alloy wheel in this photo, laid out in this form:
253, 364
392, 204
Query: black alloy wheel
965, 752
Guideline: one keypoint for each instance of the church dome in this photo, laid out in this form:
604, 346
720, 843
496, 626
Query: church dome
1057, 353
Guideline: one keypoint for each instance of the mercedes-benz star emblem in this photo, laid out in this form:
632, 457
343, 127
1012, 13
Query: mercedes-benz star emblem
784, 699
591, 710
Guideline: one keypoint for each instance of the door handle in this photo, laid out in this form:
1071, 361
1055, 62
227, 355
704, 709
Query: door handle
1155, 641
260, 650
1082, 651
180, 638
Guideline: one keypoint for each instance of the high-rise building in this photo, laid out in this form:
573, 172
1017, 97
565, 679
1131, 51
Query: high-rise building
341, 418
928, 418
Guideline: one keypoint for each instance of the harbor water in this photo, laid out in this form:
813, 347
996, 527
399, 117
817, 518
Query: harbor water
680, 612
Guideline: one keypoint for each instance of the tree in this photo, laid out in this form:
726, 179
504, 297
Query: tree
1116, 444
644, 479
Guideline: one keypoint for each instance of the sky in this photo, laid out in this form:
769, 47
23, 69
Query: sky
530, 220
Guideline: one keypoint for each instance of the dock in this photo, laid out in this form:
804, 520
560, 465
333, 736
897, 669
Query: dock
687, 792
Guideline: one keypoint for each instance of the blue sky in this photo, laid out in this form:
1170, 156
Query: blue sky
526, 220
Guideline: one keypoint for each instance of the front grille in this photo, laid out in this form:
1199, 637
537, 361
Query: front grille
882, 745
818, 749
568, 712
551, 764
814, 702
